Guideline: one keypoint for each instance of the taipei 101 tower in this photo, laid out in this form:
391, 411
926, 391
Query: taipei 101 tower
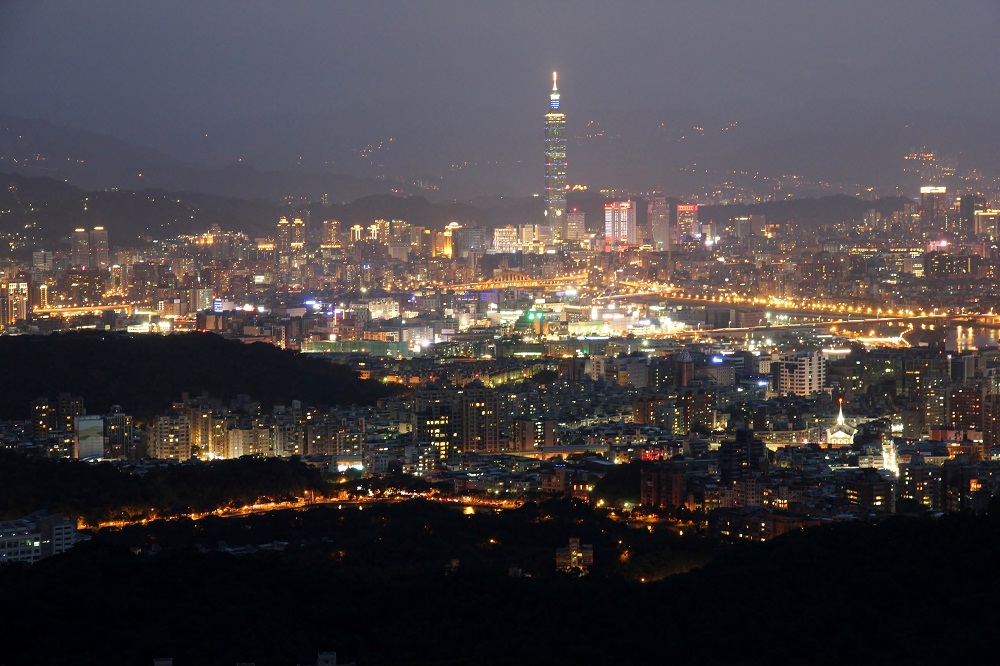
555, 164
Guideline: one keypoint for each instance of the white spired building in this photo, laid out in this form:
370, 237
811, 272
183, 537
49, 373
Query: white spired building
841, 434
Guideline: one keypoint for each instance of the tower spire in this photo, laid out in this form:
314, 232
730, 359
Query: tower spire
555, 164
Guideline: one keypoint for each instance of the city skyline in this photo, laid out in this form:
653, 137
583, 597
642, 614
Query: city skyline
369, 101
355, 337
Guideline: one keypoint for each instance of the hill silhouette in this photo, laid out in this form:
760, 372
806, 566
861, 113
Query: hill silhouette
146, 373
371, 584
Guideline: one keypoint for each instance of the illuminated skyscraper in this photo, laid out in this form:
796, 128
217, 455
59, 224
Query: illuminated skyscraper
18, 302
969, 205
331, 233
687, 220
659, 222
505, 239
80, 249
576, 225
297, 235
284, 236
99, 250
555, 164
933, 208
619, 224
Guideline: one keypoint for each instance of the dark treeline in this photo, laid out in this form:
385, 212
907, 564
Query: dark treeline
103, 492
902, 591
416, 538
813, 212
146, 373
54, 208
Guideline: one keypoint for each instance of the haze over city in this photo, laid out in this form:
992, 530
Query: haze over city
448, 90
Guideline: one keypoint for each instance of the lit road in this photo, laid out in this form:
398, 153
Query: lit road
466, 503
630, 289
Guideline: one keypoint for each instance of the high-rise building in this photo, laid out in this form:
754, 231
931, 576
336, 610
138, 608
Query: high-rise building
436, 420
800, 373
555, 163
920, 482
480, 419
965, 407
297, 236
968, 205
331, 233
933, 207
684, 369
80, 249
18, 299
119, 434
659, 222
100, 252
468, 241
619, 224
68, 407
664, 485
533, 434
505, 239
687, 220
987, 223
742, 457
357, 234
283, 241
527, 234
695, 409
170, 437
89, 431
576, 225
41, 260
44, 419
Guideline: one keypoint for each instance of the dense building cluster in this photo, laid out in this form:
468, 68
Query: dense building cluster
778, 371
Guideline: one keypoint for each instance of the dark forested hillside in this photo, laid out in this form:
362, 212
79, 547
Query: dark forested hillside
104, 492
146, 373
372, 585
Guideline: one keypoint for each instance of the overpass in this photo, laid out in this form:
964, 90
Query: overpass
802, 307
127, 308
517, 280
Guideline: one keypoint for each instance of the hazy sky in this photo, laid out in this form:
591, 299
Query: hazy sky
157, 73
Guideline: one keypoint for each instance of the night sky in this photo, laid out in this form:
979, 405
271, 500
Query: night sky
473, 74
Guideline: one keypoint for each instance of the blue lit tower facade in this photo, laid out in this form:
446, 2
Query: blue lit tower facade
555, 164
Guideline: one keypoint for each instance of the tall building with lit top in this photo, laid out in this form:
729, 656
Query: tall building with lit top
619, 224
505, 239
687, 220
933, 207
555, 164
576, 225
659, 222
331, 233
100, 252
80, 249
297, 236
283, 236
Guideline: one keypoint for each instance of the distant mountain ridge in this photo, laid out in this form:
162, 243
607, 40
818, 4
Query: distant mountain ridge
39, 212
98, 161
833, 143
